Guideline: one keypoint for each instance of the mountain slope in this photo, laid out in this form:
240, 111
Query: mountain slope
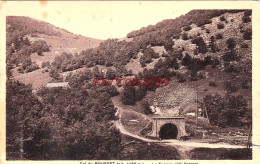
57, 41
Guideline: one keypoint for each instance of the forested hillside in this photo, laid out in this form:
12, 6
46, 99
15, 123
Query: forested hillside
210, 50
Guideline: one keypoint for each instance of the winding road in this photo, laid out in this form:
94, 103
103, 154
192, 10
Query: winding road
187, 144
183, 147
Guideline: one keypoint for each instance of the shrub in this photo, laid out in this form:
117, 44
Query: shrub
128, 97
230, 88
196, 51
194, 75
149, 52
241, 29
187, 60
168, 43
187, 28
28, 66
184, 36
148, 56
230, 56
20, 70
142, 63
222, 18
212, 84
247, 35
215, 62
202, 47
165, 54
180, 77
248, 13
246, 19
207, 61
39, 45
108, 63
220, 26
32, 67
207, 21
231, 68
226, 112
135, 56
46, 64
146, 107
54, 73
39, 52
212, 44
244, 45
132, 94
110, 74
146, 59
219, 36
171, 62
245, 84
231, 43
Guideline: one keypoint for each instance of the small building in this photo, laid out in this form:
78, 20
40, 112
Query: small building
58, 84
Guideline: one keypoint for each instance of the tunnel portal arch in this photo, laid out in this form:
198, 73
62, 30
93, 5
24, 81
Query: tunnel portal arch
168, 131
167, 127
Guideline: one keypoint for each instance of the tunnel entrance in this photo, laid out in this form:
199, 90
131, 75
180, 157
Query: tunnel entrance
168, 131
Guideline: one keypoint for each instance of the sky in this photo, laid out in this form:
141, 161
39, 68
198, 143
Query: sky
100, 20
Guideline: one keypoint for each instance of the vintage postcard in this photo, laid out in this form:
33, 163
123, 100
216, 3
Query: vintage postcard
129, 82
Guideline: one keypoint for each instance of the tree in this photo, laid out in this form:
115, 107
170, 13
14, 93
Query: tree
140, 93
187, 28
110, 74
219, 36
247, 35
54, 73
128, 96
186, 60
230, 87
39, 52
220, 26
212, 44
26, 41
229, 111
159, 64
231, 43
21, 115
230, 55
222, 18
202, 47
184, 36
193, 75
215, 105
98, 74
146, 107
246, 19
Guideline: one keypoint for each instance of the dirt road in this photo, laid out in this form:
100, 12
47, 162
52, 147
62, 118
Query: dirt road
176, 142
183, 147
188, 144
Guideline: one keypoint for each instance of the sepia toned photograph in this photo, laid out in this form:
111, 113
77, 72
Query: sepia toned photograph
92, 83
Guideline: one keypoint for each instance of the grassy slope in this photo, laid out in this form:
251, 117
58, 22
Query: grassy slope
59, 40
